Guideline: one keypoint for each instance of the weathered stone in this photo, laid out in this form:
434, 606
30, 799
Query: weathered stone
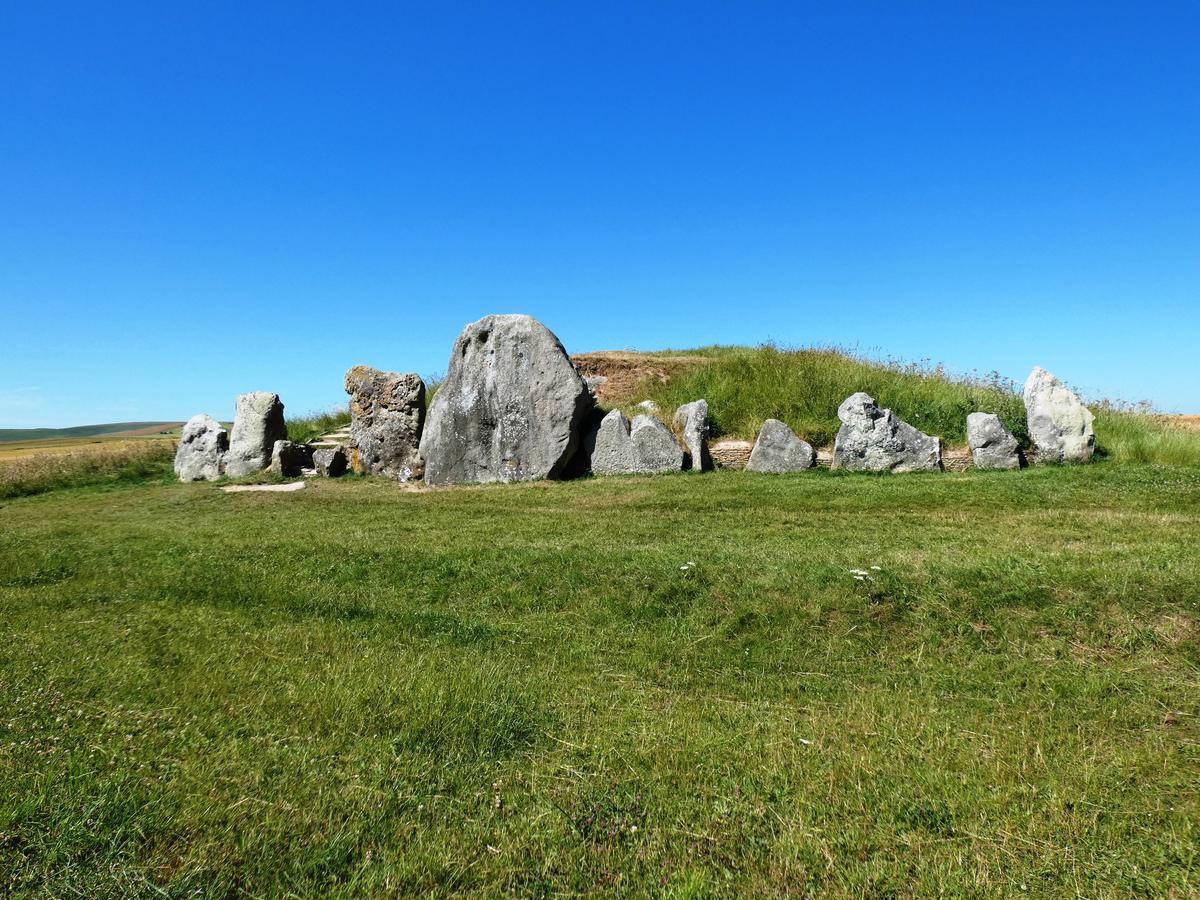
612, 453
202, 447
330, 462
257, 425
778, 450
992, 445
874, 440
654, 446
648, 406
1059, 424
289, 457
387, 414
594, 382
692, 420
512, 406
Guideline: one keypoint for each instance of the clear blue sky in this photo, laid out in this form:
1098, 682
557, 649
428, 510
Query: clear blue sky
202, 199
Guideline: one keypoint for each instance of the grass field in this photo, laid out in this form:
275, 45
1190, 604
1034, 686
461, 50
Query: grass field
647, 686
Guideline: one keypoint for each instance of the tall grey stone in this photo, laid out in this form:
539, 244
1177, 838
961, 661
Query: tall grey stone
288, 458
692, 420
992, 445
654, 446
512, 406
874, 440
387, 415
612, 453
778, 450
257, 425
1060, 426
201, 452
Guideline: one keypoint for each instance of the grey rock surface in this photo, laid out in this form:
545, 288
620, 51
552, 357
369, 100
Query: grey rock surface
654, 446
778, 450
992, 445
289, 457
692, 420
612, 453
874, 440
1060, 426
201, 452
512, 406
257, 425
387, 416
330, 462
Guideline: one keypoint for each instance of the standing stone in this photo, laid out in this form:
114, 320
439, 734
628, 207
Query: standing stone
612, 453
330, 462
512, 407
874, 440
201, 451
257, 425
387, 414
654, 446
289, 457
992, 446
1059, 424
778, 450
692, 420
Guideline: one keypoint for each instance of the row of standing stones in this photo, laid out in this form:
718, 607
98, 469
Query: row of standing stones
513, 407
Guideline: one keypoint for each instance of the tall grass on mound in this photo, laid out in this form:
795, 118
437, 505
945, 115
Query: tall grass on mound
1128, 436
312, 426
745, 386
126, 462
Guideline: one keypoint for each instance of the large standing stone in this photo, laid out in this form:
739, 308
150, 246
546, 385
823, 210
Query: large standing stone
654, 446
992, 445
387, 414
1059, 424
257, 425
778, 450
692, 420
330, 462
512, 406
288, 458
874, 440
201, 452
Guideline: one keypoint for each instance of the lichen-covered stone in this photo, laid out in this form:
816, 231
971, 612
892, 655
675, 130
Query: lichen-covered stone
512, 406
692, 420
654, 446
330, 462
1060, 426
387, 415
874, 440
202, 447
778, 450
257, 425
992, 445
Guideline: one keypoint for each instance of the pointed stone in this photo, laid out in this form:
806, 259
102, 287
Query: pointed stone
778, 450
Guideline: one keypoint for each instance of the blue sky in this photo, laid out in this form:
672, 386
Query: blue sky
199, 200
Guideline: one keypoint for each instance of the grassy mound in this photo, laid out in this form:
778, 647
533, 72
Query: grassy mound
744, 386
310, 427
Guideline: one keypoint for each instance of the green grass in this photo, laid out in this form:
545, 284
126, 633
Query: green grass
310, 427
1133, 437
356, 690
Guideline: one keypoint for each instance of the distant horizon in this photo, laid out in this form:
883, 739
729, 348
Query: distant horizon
199, 201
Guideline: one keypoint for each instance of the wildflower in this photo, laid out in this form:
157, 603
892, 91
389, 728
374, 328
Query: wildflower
876, 569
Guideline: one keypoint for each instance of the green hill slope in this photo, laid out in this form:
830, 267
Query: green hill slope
82, 431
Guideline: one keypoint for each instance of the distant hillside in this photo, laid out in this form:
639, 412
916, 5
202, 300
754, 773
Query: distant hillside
130, 429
